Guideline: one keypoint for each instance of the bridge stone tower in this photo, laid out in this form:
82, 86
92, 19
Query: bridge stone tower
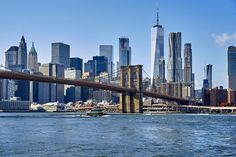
131, 77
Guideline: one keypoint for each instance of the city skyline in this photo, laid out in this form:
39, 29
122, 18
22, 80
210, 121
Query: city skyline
139, 36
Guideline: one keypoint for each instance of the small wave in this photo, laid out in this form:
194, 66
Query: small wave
106, 116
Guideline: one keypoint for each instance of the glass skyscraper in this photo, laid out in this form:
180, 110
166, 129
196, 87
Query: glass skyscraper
187, 63
175, 71
107, 51
61, 54
232, 67
11, 57
100, 64
89, 67
77, 63
96, 66
157, 52
124, 52
209, 74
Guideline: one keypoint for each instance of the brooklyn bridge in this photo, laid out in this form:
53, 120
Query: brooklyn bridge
130, 87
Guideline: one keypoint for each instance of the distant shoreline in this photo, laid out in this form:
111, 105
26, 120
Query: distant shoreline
119, 113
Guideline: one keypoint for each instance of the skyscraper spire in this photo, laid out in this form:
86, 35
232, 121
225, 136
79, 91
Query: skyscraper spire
22, 53
157, 17
157, 53
32, 50
33, 59
22, 38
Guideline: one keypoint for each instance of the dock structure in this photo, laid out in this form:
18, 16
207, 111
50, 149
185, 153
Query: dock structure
169, 108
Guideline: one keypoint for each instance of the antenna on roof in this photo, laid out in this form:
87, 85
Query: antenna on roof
157, 16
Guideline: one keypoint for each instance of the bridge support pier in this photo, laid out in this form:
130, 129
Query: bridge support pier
131, 77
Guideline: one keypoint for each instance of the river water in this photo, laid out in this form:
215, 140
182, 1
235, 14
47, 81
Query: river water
69, 134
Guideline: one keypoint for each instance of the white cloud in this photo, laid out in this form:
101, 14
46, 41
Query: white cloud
223, 38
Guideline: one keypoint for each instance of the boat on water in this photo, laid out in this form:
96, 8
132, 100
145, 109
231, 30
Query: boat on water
96, 112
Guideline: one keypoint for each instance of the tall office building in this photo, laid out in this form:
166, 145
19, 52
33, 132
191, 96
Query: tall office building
175, 71
16, 60
124, 52
51, 91
22, 53
77, 63
107, 51
232, 67
89, 67
157, 52
36, 88
8, 86
61, 54
162, 70
100, 65
205, 84
33, 59
209, 74
96, 66
187, 63
72, 93
16, 57
11, 60
23, 88
11, 57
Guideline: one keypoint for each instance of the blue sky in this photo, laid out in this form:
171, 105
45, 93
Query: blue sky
85, 24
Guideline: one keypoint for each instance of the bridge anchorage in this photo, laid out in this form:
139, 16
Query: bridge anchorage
131, 77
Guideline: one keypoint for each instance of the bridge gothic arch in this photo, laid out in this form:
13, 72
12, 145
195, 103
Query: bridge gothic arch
131, 77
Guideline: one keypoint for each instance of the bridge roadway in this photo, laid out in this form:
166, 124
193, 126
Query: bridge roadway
85, 83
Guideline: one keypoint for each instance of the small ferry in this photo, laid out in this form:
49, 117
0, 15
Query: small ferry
96, 112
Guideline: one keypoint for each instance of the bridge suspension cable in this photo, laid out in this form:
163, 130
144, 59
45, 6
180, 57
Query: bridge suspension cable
147, 74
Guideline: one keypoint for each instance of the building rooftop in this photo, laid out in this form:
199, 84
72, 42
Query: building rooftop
32, 50
13, 48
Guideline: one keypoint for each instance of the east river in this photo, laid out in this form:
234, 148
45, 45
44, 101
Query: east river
69, 134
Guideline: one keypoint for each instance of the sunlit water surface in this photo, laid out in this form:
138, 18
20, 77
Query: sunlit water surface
69, 134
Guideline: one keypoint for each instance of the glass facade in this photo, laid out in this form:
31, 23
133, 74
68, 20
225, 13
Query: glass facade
209, 74
89, 67
107, 51
175, 71
61, 54
11, 56
124, 52
188, 63
77, 63
100, 64
157, 52
232, 60
232, 67
97, 65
